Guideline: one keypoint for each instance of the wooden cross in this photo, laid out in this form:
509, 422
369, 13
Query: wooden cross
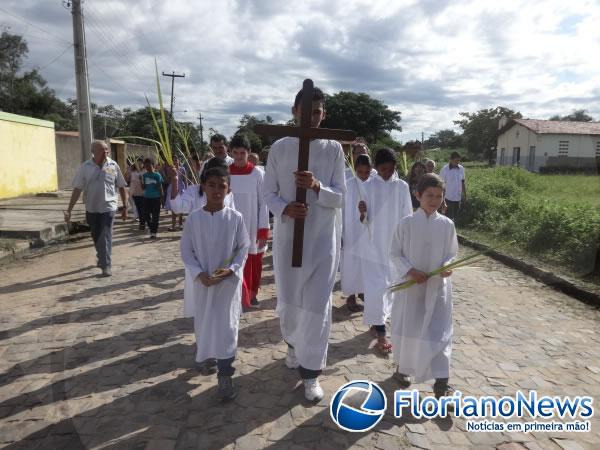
305, 132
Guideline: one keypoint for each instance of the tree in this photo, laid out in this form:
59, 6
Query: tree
13, 49
27, 93
247, 124
578, 115
107, 121
444, 139
480, 130
359, 112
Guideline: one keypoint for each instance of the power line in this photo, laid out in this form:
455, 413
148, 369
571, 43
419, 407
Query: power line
122, 48
68, 47
126, 59
24, 20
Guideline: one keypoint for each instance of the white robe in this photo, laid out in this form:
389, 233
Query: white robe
304, 293
249, 200
187, 201
422, 314
387, 203
348, 173
207, 242
351, 266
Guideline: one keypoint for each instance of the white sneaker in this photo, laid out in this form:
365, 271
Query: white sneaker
313, 390
290, 360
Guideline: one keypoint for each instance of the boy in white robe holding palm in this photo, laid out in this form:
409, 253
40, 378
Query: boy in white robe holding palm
185, 202
214, 245
422, 313
387, 202
352, 230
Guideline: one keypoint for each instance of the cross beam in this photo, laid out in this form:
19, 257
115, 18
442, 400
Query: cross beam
305, 133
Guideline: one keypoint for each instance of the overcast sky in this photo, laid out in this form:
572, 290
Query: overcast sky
429, 59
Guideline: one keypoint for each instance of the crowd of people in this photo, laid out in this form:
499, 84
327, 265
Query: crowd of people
363, 221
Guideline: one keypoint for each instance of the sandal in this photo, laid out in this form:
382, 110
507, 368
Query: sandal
385, 348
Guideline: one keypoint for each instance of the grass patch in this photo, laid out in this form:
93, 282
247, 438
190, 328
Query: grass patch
555, 218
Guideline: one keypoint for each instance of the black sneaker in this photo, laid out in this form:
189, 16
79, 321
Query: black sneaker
403, 380
226, 390
442, 389
207, 367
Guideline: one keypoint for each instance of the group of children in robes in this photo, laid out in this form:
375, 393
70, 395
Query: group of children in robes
384, 242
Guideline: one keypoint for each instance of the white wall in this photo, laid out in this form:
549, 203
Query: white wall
517, 136
546, 145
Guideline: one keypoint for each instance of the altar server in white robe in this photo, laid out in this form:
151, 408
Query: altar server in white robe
185, 202
247, 189
388, 201
422, 314
358, 148
214, 245
352, 230
304, 293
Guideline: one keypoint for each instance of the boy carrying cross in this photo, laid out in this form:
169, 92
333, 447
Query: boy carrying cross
304, 293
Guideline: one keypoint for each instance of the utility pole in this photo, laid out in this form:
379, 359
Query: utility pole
201, 134
173, 75
81, 76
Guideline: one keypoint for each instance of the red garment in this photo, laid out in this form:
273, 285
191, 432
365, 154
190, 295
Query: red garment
234, 170
253, 266
252, 275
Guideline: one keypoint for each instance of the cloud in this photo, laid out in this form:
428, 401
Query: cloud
428, 59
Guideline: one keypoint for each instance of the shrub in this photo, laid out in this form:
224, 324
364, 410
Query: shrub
505, 202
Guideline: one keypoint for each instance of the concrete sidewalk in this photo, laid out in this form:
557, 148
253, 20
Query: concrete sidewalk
38, 217
35, 221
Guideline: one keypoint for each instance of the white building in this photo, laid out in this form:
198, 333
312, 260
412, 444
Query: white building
532, 144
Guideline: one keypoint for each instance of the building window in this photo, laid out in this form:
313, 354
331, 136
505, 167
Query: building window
503, 155
563, 148
597, 149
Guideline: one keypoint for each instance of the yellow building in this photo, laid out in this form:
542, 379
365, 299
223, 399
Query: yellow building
27, 156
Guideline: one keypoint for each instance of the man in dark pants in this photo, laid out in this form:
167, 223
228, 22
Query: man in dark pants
98, 178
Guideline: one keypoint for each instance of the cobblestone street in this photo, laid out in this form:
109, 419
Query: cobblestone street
106, 363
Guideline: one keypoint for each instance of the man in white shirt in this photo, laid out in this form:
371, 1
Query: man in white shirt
453, 175
99, 177
218, 145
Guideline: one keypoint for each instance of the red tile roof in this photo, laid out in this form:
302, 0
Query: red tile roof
558, 127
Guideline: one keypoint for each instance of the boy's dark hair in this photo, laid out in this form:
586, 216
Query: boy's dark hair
363, 160
211, 164
318, 96
149, 161
385, 155
240, 141
218, 171
208, 165
430, 180
454, 155
218, 138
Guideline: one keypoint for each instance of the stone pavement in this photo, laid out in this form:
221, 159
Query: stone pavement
96, 363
